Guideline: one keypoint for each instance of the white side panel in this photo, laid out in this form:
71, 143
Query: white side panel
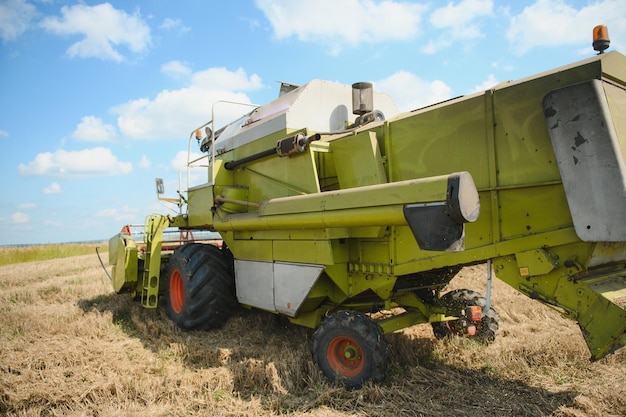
590, 160
292, 283
278, 287
254, 282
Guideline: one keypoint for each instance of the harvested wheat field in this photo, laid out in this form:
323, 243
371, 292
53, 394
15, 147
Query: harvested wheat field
70, 346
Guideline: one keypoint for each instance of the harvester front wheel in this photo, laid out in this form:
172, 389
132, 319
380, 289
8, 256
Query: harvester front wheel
351, 348
457, 301
200, 287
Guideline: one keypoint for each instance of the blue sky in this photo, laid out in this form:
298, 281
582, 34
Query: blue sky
98, 99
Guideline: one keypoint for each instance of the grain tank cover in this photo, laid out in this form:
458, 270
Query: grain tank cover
318, 106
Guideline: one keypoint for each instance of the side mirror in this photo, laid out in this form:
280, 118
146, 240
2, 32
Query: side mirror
160, 188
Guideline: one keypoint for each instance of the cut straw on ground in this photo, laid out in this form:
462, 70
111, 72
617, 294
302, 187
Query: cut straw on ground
70, 346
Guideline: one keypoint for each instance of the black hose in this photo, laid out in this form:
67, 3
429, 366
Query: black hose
234, 164
102, 263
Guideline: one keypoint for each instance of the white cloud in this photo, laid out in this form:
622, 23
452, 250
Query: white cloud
144, 162
410, 92
223, 79
180, 159
459, 15
170, 23
174, 24
123, 214
52, 223
87, 162
27, 206
347, 22
104, 28
458, 22
556, 23
253, 24
487, 84
92, 129
175, 113
15, 17
4, 134
176, 69
197, 175
19, 218
502, 65
53, 188
109, 212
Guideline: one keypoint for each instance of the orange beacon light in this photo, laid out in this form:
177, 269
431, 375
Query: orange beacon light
601, 39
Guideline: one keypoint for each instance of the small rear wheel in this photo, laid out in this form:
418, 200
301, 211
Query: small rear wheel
351, 348
457, 301
200, 287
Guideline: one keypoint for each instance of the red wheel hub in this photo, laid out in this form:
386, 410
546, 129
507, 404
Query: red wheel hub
345, 356
177, 291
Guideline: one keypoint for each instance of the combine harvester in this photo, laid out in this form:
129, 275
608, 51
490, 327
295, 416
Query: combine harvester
355, 227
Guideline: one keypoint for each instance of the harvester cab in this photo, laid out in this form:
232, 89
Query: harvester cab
332, 206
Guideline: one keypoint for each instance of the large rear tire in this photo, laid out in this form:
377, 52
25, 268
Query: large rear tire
350, 347
457, 301
200, 287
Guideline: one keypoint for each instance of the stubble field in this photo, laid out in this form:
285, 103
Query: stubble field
70, 346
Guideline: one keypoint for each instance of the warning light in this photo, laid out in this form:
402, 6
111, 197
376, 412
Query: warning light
601, 39
474, 313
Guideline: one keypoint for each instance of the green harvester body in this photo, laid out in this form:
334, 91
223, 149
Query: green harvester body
530, 175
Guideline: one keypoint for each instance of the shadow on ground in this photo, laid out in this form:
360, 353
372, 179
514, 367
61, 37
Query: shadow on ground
269, 358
